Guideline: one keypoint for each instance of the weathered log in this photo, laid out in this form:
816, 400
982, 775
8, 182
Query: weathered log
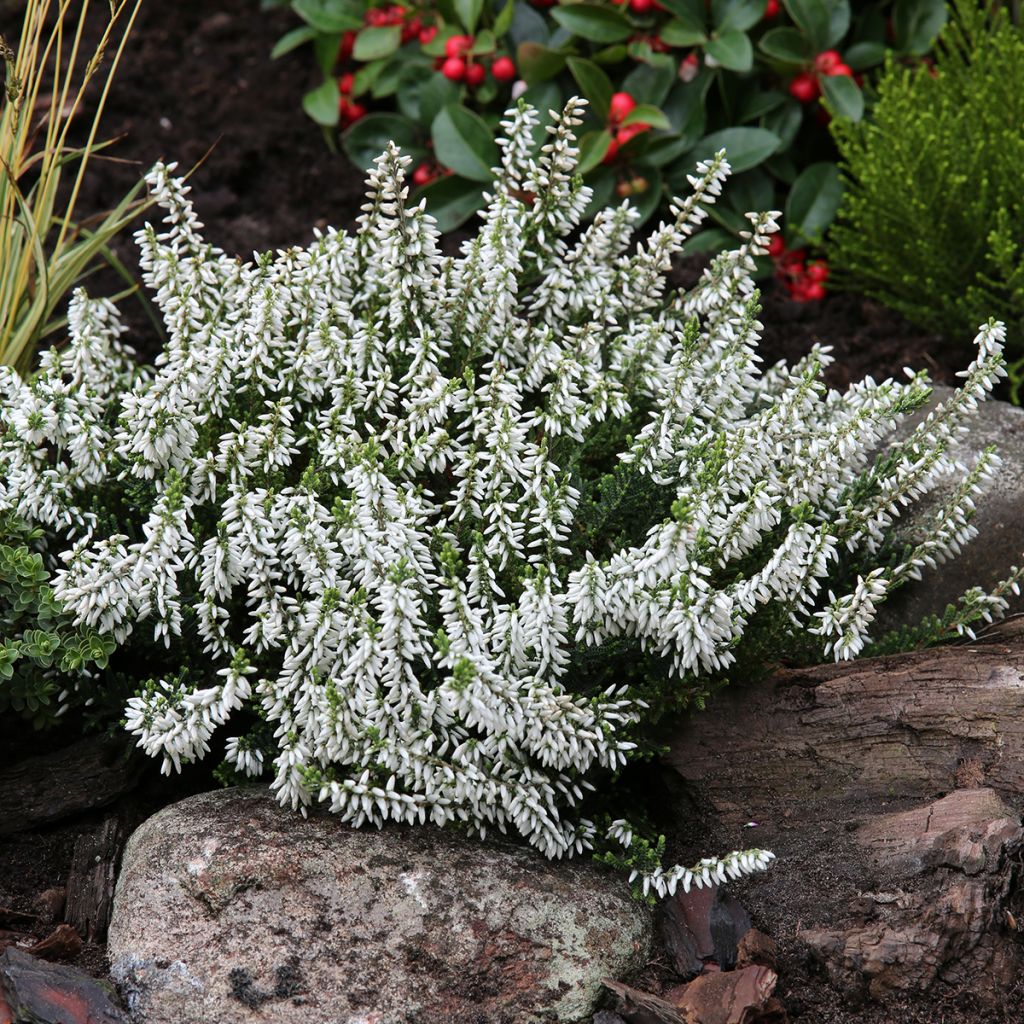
87, 775
890, 789
912, 725
93, 874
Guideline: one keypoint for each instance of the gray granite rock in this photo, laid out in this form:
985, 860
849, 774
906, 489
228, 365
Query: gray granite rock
999, 519
230, 909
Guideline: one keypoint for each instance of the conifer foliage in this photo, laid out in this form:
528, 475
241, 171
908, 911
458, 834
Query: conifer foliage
393, 514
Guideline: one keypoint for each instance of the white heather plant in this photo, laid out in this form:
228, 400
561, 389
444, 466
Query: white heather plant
438, 538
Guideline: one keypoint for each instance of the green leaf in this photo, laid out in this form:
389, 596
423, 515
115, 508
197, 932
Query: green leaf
732, 50
744, 147
598, 24
329, 15
503, 21
667, 149
469, 13
864, 55
644, 113
593, 148
758, 103
414, 80
483, 43
692, 13
321, 103
786, 45
325, 49
537, 63
679, 33
292, 40
916, 23
652, 81
613, 54
785, 121
844, 96
813, 201
813, 18
463, 142
838, 22
452, 200
377, 41
527, 25
369, 137
736, 14
594, 84
435, 95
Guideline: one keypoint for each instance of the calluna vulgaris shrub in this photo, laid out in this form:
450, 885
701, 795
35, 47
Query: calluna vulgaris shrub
440, 538
933, 218
669, 83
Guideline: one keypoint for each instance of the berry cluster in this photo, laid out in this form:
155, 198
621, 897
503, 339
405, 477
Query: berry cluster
803, 279
460, 65
619, 108
806, 85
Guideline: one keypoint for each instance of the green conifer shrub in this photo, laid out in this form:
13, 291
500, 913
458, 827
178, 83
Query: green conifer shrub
933, 214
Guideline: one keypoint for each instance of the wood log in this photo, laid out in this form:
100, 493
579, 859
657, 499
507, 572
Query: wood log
890, 789
93, 874
87, 775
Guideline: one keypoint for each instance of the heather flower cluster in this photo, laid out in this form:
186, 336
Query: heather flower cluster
401, 501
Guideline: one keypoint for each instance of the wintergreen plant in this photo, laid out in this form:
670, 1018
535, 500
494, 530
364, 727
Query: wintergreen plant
933, 213
439, 537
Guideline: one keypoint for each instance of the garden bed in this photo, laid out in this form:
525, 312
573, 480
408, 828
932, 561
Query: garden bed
197, 85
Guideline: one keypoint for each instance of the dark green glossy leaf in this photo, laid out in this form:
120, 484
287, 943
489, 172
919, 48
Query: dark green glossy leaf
785, 44
330, 15
463, 142
321, 103
377, 41
844, 96
593, 147
469, 13
291, 40
733, 50
916, 23
369, 137
538, 63
645, 113
864, 55
813, 202
588, 21
651, 82
736, 14
744, 147
594, 84
452, 200
679, 33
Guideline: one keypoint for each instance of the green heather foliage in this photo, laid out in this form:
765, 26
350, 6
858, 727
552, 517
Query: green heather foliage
933, 215
38, 642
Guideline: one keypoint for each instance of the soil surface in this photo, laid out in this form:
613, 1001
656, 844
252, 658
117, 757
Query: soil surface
197, 84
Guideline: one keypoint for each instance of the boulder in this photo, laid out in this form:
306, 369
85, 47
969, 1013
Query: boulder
1000, 540
230, 908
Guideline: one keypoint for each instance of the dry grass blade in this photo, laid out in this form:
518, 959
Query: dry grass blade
44, 250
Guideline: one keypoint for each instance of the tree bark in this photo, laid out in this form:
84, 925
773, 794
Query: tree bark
890, 789
89, 774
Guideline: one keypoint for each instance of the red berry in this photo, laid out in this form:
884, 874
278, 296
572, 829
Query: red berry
475, 74
804, 87
818, 271
348, 41
423, 175
771, 9
375, 17
624, 189
641, 6
457, 46
776, 247
631, 131
827, 60
612, 153
793, 261
427, 34
346, 82
840, 69
504, 69
454, 68
349, 112
620, 106
813, 292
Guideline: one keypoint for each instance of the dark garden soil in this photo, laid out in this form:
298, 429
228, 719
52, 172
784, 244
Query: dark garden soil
197, 81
